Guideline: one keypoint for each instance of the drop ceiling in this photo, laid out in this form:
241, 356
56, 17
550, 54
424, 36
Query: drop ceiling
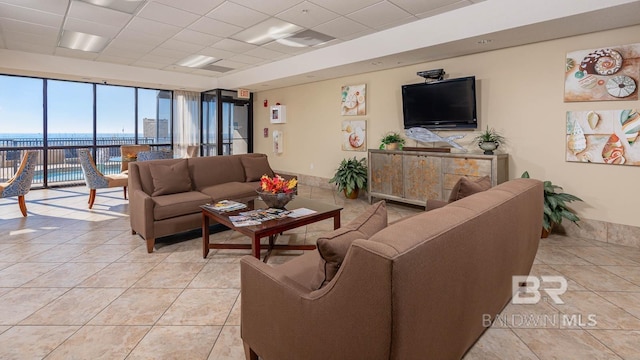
322, 38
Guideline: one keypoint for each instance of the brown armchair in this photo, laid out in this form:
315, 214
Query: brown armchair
129, 153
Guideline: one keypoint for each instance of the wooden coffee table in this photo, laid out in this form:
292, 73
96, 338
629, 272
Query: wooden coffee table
269, 228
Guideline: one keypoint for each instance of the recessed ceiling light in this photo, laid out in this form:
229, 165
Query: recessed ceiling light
306, 38
267, 31
376, 63
127, 6
485, 41
196, 61
81, 41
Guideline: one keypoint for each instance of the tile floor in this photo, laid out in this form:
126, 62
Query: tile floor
74, 283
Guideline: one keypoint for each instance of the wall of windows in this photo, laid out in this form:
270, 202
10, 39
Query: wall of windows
58, 117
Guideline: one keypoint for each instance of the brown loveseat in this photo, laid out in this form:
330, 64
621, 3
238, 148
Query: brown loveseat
165, 195
420, 288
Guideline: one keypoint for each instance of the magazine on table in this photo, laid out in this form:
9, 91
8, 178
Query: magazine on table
239, 221
226, 206
265, 214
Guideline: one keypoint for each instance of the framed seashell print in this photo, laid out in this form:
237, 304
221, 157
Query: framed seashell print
608, 73
354, 135
354, 100
606, 137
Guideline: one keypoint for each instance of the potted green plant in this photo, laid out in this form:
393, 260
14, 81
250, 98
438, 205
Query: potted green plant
489, 140
555, 207
392, 141
351, 176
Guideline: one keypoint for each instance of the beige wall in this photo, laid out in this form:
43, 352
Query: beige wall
520, 94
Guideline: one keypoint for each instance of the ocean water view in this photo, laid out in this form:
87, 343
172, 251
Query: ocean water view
63, 135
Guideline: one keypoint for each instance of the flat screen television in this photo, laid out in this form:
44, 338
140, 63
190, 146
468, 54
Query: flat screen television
441, 105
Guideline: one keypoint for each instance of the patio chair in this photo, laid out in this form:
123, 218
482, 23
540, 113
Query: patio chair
130, 153
154, 155
20, 184
95, 179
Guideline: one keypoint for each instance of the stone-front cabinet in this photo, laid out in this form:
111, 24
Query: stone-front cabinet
414, 177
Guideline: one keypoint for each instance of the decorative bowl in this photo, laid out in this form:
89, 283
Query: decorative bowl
276, 201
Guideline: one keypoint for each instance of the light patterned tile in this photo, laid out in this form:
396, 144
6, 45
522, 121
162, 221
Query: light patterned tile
217, 276
229, 345
200, 307
555, 344
22, 302
591, 311
32, 342
176, 342
624, 343
23, 272
107, 342
629, 273
137, 307
170, 275
499, 344
66, 275
122, 275
595, 278
629, 301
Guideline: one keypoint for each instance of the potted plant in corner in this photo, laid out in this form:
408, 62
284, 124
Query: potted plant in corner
351, 176
392, 141
555, 208
489, 140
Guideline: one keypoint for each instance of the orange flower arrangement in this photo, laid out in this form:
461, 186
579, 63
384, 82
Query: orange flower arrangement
278, 184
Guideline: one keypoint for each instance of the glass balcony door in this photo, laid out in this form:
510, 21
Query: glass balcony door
227, 123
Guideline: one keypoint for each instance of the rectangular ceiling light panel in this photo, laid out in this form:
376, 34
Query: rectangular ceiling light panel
127, 6
267, 31
196, 61
82, 41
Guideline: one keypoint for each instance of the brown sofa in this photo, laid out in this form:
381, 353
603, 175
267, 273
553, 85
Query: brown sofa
417, 289
165, 195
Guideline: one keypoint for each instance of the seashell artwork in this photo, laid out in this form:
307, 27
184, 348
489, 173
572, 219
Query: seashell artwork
594, 119
577, 142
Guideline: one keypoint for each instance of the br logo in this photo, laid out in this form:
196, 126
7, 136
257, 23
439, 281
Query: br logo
526, 289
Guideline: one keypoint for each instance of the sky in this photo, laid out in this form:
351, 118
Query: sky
70, 106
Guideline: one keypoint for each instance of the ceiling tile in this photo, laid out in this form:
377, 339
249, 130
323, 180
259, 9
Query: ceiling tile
184, 47
90, 27
379, 14
416, 7
87, 12
196, 37
208, 73
153, 27
199, 7
443, 9
246, 59
157, 59
116, 52
233, 46
177, 68
121, 44
58, 7
359, 34
307, 14
231, 64
214, 27
340, 28
168, 53
396, 23
216, 53
345, 7
167, 14
237, 14
29, 47
264, 53
21, 26
30, 15
49, 40
141, 38
270, 7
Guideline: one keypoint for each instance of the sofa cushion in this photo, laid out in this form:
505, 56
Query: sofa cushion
465, 187
169, 206
213, 170
230, 191
334, 245
255, 167
170, 179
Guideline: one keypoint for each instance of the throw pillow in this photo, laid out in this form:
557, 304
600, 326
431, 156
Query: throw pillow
255, 167
334, 245
465, 187
170, 179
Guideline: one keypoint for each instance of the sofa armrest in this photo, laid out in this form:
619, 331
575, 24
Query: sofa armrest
350, 318
435, 204
141, 213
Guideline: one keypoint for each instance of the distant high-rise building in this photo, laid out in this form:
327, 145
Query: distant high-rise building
153, 128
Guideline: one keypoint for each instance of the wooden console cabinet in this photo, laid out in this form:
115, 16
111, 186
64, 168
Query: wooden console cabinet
414, 177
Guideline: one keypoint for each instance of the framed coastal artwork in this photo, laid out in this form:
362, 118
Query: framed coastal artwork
603, 74
354, 100
354, 135
606, 137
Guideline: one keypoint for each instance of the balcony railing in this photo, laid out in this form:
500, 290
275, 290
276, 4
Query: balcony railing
60, 166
